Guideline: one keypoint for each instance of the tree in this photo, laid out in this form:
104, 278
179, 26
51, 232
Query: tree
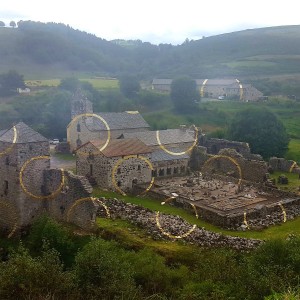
184, 94
2, 24
263, 131
70, 84
9, 82
129, 85
12, 24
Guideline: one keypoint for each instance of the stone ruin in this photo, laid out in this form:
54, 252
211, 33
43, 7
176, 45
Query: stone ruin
225, 202
171, 227
281, 164
30, 188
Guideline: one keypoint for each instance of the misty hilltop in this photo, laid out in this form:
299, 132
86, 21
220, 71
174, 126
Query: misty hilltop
42, 50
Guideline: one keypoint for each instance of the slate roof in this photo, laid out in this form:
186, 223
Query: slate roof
161, 155
199, 82
216, 81
168, 136
118, 120
25, 134
162, 81
120, 147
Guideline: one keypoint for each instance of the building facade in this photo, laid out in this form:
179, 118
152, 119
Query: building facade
216, 88
86, 125
120, 165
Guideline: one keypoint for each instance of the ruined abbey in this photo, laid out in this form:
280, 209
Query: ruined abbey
221, 180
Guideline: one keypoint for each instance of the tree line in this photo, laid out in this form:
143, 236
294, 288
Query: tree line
49, 112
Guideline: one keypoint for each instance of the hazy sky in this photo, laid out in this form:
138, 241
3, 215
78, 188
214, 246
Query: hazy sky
156, 21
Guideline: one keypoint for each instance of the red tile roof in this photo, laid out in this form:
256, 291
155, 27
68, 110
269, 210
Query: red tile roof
121, 147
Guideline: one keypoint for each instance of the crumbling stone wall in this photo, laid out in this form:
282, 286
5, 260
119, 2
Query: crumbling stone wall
252, 170
258, 217
214, 146
173, 225
67, 205
20, 206
281, 164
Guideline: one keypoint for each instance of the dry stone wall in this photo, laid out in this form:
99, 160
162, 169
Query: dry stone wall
173, 225
281, 164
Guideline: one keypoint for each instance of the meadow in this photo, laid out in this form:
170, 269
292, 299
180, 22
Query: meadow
99, 83
213, 116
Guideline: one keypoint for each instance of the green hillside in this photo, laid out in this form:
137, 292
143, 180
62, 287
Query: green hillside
51, 50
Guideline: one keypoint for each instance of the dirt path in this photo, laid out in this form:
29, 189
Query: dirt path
60, 163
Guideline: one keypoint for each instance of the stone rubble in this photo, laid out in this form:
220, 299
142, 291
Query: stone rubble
172, 225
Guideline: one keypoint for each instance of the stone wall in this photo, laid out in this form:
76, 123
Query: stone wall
261, 216
11, 192
173, 227
281, 164
214, 145
252, 170
40, 191
99, 168
68, 204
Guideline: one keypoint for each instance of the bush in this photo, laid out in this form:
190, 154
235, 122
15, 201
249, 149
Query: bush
57, 237
103, 273
24, 277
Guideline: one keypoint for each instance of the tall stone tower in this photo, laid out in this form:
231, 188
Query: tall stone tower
19, 146
80, 104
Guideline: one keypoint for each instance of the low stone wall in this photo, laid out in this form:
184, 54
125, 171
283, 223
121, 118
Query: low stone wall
259, 217
281, 164
175, 226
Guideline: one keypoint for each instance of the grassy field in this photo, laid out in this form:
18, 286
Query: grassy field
294, 181
99, 83
278, 231
294, 150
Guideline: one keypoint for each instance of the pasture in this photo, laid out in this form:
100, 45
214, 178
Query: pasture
99, 83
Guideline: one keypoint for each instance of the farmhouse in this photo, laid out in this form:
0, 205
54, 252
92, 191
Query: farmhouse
216, 88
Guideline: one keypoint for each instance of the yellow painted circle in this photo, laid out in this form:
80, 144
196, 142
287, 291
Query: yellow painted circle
231, 160
53, 194
169, 234
283, 212
7, 150
11, 211
120, 161
81, 200
245, 220
294, 165
101, 119
177, 153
